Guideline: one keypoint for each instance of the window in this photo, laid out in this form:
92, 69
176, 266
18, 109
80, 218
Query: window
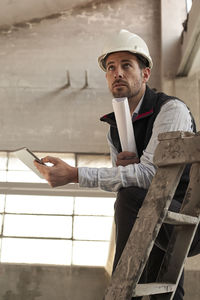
61, 226
188, 5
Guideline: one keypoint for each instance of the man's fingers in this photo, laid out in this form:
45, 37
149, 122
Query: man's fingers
45, 171
51, 159
126, 158
126, 155
42, 168
126, 162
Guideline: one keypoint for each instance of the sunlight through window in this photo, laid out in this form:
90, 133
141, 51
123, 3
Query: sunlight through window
90, 253
38, 226
36, 251
34, 204
188, 5
52, 228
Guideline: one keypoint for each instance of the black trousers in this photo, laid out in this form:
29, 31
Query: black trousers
127, 205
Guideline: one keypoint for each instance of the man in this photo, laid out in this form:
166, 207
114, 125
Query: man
127, 64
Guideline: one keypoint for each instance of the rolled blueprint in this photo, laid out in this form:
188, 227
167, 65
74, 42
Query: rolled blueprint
124, 124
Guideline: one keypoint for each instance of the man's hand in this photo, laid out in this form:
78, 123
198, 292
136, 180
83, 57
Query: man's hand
59, 174
126, 158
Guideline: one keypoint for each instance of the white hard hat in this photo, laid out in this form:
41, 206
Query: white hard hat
125, 41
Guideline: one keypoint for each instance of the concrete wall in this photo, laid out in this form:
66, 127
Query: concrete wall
187, 89
190, 48
192, 278
181, 73
173, 15
37, 110
33, 282
192, 288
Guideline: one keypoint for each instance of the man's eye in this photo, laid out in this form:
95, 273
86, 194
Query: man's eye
110, 68
126, 65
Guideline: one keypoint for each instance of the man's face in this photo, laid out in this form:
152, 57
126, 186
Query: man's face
124, 76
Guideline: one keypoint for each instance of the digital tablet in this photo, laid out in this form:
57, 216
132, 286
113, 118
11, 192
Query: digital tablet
28, 157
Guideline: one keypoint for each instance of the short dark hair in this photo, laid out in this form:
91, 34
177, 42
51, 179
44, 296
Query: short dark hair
142, 61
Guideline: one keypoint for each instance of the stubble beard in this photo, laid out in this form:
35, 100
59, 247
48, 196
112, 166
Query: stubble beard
128, 93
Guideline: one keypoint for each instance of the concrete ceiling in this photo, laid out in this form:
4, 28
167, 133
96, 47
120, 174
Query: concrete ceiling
18, 11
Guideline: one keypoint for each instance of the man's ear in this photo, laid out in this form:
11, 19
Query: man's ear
146, 74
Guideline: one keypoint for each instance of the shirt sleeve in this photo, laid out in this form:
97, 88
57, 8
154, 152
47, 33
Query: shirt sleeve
173, 116
113, 150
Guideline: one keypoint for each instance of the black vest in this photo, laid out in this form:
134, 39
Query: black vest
143, 125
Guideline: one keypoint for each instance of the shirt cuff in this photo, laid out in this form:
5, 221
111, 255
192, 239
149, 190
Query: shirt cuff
88, 177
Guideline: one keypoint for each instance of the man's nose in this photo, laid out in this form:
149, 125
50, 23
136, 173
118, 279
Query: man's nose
118, 73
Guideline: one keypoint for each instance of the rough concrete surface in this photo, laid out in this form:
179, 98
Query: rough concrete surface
35, 282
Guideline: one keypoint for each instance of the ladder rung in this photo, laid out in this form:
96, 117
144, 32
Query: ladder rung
147, 289
180, 219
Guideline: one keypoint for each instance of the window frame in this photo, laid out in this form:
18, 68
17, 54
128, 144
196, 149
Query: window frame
43, 189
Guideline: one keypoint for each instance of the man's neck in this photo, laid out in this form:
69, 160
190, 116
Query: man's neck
133, 102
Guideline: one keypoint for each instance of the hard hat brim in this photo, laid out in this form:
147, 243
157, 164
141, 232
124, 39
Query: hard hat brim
102, 58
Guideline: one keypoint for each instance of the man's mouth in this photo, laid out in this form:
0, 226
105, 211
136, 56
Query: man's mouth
117, 84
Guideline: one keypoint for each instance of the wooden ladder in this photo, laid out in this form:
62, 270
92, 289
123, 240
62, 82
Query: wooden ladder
174, 151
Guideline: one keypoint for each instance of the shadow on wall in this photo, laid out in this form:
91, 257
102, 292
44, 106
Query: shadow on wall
67, 85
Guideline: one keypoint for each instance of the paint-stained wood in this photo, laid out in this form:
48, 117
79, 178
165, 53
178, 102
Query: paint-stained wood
180, 219
153, 288
182, 236
144, 233
177, 150
174, 151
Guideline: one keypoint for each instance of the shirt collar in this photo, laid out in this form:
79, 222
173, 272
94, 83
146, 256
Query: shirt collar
136, 111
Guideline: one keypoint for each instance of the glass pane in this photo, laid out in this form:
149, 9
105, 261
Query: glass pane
94, 206
38, 226
2, 201
3, 176
189, 5
36, 251
92, 228
96, 161
24, 176
39, 204
3, 160
90, 253
1, 219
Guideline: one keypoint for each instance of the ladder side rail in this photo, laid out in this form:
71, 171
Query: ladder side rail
182, 236
176, 254
191, 202
145, 230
